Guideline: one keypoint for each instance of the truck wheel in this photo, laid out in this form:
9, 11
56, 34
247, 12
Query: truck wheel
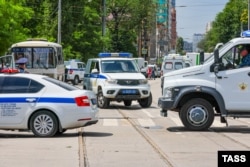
76, 80
146, 102
197, 114
102, 101
44, 124
127, 102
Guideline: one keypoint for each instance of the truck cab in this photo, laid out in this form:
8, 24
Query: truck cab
117, 77
218, 87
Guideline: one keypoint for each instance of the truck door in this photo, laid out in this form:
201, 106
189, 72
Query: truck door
81, 69
234, 83
234, 86
91, 75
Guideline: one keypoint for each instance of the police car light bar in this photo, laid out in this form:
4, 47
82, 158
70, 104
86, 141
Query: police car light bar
245, 33
115, 54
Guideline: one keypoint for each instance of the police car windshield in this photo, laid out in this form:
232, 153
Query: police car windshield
119, 66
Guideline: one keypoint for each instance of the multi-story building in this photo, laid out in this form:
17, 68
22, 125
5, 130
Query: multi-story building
196, 39
164, 37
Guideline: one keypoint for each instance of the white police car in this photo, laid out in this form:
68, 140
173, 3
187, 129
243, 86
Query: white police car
74, 71
44, 105
116, 77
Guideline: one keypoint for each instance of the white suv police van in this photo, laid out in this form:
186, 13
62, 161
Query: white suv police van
74, 71
116, 77
218, 87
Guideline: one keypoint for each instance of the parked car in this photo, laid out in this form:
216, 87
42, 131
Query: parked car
44, 105
74, 71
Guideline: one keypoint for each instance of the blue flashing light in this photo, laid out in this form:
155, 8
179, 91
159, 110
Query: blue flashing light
245, 33
124, 54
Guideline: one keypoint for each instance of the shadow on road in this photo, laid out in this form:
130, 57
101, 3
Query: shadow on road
229, 129
96, 134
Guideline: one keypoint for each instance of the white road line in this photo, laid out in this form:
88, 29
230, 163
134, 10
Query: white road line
177, 121
110, 122
147, 113
146, 122
175, 118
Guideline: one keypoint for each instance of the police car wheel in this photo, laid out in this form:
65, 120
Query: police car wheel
102, 101
127, 102
197, 114
146, 102
76, 80
44, 124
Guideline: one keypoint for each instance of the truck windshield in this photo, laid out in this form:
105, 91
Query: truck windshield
223, 47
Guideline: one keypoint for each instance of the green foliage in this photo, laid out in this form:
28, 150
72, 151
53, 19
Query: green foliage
227, 24
179, 45
81, 24
12, 16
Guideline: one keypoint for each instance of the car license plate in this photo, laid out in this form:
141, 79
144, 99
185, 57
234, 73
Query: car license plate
128, 91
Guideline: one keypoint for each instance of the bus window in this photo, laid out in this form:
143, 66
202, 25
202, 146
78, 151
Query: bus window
43, 57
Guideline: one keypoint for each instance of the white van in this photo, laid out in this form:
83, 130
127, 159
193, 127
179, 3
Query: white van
172, 62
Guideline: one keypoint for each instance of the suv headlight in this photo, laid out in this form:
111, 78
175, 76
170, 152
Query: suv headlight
111, 81
168, 93
143, 81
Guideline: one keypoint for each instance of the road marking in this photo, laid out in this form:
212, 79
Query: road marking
175, 118
146, 122
177, 121
110, 122
147, 113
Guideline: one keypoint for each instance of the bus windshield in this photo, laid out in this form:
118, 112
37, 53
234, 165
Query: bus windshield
43, 57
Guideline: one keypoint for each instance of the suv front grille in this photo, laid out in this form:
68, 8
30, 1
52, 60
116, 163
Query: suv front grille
128, 82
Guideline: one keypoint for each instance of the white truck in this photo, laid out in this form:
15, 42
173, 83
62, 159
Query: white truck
197, 58
117, 77
218, 87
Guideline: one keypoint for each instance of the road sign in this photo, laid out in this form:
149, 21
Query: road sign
144, 51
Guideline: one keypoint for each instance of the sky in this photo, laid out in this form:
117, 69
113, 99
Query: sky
194, 16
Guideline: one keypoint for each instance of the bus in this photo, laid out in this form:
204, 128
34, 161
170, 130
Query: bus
44, 57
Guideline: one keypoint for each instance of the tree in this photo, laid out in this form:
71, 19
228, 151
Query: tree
179, 45
12, 16
227, 24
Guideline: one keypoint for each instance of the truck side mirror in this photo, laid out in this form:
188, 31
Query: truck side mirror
201, 57
216, 70
216, 56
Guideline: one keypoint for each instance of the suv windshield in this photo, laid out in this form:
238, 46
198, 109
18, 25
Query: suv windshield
119, 66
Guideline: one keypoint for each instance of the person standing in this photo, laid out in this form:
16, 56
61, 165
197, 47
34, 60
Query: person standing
149, 72
22, 64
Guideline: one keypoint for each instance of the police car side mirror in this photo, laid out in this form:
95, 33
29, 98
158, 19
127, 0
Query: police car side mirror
94, 71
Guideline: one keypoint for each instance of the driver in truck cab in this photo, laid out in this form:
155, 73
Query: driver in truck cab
245, 56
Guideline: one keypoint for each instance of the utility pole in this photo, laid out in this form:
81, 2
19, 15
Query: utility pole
59, 21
